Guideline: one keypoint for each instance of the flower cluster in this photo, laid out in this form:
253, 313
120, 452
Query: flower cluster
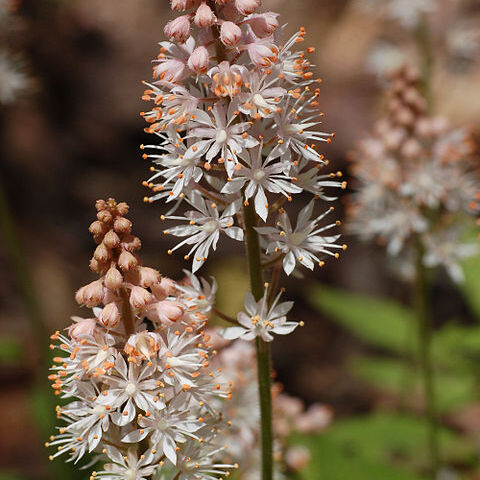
237, 361
135, 375
235, 114
416, 180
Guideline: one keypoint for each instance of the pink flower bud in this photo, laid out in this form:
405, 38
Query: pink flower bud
171, 70
113, 279
230, 34
140, 298
126, 261
101, 253
166, 311
264, 24
297, 457
246, 7
178, 29
122, 225
148, 276
204, 16
90, 295
111, 239
131, 243
110, 315
314, 420
164, 288
199, 60
82, 327
262, 55
182, 5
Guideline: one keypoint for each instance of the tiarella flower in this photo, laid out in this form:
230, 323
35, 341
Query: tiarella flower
227, 79
204, 227
221, 135
261, 320
258, 175
172, 62
304, 243
124, 379
197, 293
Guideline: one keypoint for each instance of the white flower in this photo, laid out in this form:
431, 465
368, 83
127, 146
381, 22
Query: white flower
128, 387
221, 135
204, 227
132, 466
303, 243
261, 174
198, 294
13, 81
262, 320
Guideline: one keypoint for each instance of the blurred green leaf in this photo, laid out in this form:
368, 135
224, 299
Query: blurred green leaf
6, 475
378, 321
471, 285
453, 390
378, 446
11, 351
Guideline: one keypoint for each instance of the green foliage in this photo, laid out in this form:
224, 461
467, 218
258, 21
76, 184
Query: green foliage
11, 351
377, 446
471, 285
379, 322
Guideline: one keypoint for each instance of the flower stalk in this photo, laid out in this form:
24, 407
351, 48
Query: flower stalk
262, 348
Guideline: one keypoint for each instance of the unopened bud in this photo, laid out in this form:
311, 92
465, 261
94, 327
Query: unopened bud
101, 254
148, 276
111, 239
199, 60
122, 225
246, 7
230, 34
140, 298
164, 289
131, 243
166, 311
113, 279
104, 216
90, 295
97, 228
82, 327
178, 29
264, 24
127, 261
110, 315
204, 16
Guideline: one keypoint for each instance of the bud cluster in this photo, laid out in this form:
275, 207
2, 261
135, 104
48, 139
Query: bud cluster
416, 177
235, 112
136, 375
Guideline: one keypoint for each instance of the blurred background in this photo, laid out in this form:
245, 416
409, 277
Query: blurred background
70, 130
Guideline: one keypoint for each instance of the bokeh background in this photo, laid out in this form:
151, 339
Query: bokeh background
71, 135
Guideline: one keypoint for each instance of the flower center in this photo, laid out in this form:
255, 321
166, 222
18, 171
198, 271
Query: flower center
130, 389
130, 474
221, 136
210, 226
99, 409
258, 175
297, 238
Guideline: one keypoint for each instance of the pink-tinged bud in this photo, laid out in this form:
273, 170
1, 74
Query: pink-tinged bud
166, 311
164, 289
412, 149
110, 315
222, 2
246, 7
122, 208
111, 239
199, 60
113, 279
148, 276
104, 216
264, 24
204, 16
181, 5
97, 228
142, 345
297, 457
230, 34
140, 298
171, 70
314, 420
131, 243
82, 327
178, 29
122, 225
262, 55
101, 253
90, 295
127, 261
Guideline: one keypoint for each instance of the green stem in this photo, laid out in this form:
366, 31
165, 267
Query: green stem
425, 332
422, 36
127, 317
262, 347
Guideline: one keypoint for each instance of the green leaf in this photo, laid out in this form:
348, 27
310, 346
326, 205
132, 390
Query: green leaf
377, 321
453, 390
378, 446
11, 351
471, 285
